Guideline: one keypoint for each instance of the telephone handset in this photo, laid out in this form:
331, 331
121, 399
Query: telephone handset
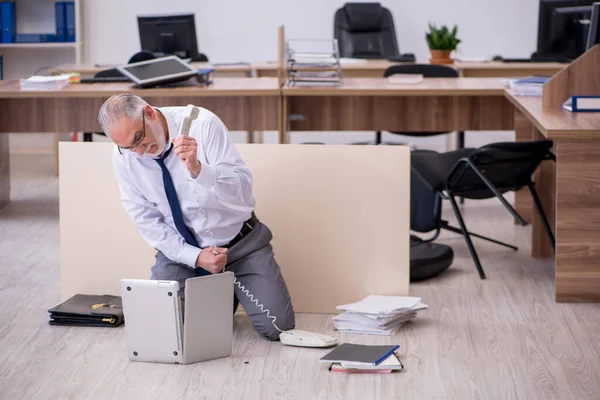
293, 337
184, 129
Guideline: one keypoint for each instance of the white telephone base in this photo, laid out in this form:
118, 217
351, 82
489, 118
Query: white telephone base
296, 337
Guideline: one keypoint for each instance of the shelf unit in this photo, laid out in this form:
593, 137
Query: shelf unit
77, 46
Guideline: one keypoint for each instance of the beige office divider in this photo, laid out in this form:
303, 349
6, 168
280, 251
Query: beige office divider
339, 216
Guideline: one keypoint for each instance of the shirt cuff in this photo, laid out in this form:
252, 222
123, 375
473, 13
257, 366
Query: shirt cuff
189, 255
207, 175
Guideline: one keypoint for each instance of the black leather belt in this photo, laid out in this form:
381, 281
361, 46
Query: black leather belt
249, 224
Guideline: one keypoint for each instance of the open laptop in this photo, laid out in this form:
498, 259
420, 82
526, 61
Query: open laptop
156, 330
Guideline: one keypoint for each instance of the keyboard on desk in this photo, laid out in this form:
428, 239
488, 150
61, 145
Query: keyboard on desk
536, 60
113, 79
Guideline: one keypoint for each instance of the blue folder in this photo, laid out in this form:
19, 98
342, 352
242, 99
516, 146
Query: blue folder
59, 16
70, 20
8, 21
35, 37
582, 104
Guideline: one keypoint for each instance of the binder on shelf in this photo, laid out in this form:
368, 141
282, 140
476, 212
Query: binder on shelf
35, 37
59, 17
582, 104
70, 20
8, 21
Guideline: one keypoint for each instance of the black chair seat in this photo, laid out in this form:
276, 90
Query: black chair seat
433, 167
486, 172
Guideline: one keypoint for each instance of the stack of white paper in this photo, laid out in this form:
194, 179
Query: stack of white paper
377, 315
37, 82
529, 86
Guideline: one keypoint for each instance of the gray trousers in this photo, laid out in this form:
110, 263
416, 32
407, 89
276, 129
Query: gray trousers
252, 262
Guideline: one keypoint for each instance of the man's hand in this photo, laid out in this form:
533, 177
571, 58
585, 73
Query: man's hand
211, 262
186, 149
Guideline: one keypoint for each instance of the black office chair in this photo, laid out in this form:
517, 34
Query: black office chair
365, 30
201, 58
481, 173
107, 73
428, 71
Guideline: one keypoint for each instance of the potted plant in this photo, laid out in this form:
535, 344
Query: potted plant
441, 42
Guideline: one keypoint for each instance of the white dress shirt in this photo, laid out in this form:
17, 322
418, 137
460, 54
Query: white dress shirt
223, 189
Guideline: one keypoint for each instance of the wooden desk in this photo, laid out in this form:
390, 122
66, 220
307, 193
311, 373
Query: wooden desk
221, 71
367, 69
242, 103
375, 69
574, 208
437, 104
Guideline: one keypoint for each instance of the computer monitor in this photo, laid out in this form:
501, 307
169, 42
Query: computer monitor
166, 35
562, 28
594, 31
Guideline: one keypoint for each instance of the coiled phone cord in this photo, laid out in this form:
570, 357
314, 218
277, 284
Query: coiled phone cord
215, 252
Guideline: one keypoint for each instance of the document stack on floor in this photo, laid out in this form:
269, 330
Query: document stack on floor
360, 358
377, 315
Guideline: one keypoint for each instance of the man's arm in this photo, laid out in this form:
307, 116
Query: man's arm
225, 174
150, 224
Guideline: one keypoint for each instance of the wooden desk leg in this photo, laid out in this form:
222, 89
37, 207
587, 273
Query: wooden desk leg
545, 186
259, 137
523, 133
283, 120
4, 170
578, 220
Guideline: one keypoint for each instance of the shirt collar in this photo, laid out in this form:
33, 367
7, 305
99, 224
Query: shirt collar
171, 127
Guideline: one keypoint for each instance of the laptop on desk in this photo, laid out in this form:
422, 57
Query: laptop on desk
157, 331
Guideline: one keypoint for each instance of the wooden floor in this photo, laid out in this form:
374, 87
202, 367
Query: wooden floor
503, 338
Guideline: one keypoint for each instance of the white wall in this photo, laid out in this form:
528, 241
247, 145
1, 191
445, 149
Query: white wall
241, 30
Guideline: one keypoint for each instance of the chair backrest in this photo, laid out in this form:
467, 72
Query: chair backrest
365, 30
507, 166
201, 58
108, 73
427, 70
141, 56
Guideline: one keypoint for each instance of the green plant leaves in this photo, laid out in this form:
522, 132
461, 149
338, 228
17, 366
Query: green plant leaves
442, 38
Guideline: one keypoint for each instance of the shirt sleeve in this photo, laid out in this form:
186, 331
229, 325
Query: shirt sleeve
149, 221
225, 173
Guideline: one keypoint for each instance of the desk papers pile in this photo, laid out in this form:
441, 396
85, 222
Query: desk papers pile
37, 82
377, 315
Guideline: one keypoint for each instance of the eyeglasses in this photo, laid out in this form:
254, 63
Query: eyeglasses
139, 136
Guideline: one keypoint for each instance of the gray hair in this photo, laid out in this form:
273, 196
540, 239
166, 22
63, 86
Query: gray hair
119, 106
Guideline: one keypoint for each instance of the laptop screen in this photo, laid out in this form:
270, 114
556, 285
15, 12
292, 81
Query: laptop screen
162, 68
